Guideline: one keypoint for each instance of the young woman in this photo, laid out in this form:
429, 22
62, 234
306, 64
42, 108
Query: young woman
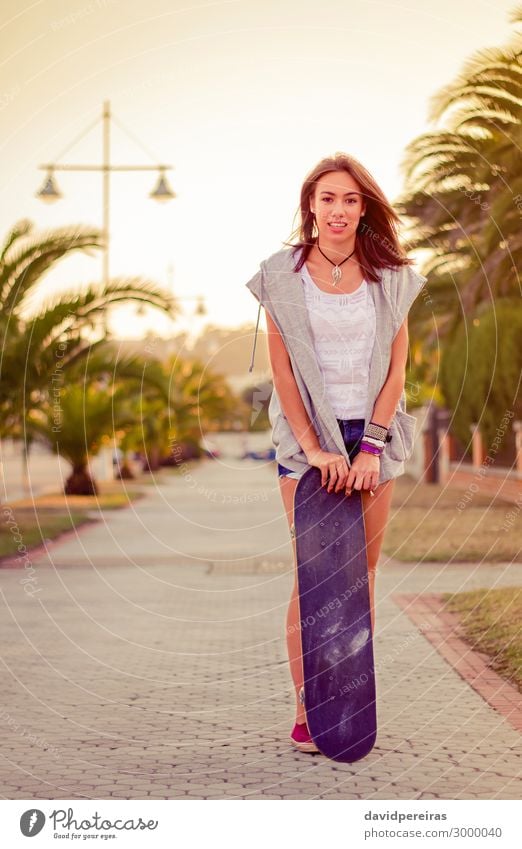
336, 306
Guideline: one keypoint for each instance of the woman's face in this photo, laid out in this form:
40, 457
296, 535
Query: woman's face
337, 200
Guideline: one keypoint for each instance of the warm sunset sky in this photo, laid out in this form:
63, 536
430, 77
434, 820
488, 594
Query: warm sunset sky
241, 96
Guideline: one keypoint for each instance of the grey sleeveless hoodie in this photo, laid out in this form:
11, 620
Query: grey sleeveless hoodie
279, 289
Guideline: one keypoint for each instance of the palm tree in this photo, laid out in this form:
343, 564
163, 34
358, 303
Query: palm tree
24, 258
463, 196
200, 399
480, 371
103, 398
463, 190
39, 350
88, 414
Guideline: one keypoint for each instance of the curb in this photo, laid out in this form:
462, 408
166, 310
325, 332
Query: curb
444, 633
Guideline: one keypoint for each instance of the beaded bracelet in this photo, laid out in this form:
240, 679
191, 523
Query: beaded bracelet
376, 430
374, 439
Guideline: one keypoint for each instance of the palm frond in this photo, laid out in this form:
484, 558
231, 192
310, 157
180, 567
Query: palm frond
19, 230
96, 297
474, 67
27, 259
515, 15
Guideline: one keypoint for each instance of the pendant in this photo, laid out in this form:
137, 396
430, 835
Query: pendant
336, 274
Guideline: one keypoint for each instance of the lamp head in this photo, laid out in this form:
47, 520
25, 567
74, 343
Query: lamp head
162, 191
49, 192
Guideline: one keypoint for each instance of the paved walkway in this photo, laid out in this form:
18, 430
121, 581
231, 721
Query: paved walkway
150, 662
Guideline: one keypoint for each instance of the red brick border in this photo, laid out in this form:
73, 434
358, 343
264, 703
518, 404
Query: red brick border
442, 628
16, 561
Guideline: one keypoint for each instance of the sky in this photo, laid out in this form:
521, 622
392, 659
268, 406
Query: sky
241, 97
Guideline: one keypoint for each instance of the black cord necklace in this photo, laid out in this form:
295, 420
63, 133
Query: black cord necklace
336, 270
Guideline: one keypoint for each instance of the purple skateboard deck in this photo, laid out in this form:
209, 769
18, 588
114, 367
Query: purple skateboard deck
336, 637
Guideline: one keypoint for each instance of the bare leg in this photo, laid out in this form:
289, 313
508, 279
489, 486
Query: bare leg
376, 510
293, 618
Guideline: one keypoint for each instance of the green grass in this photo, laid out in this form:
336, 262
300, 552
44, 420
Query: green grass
491, 623
28, 522
25, 527
426, 524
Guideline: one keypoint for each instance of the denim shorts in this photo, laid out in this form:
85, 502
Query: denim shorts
352, 431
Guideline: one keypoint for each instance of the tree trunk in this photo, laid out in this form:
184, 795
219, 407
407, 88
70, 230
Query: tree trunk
26, 481
80, 481
151, 461
123, 470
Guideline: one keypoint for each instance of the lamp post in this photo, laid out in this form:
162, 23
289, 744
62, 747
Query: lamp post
50, 193
200, 308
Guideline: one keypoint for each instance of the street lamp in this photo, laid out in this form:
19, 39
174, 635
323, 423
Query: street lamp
200, 308
50, 193
162, 192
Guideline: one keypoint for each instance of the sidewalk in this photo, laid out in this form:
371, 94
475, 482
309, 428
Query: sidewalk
151, 663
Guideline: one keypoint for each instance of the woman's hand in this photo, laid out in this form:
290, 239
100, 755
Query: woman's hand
335, 472
334, 468
364, 472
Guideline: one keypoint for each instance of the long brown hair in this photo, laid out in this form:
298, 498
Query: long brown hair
376, 238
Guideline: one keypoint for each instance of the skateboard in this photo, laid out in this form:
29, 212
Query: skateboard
336, 636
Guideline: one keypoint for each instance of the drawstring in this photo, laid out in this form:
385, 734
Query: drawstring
255, 338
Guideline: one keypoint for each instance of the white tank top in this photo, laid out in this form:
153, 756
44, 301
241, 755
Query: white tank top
343, 328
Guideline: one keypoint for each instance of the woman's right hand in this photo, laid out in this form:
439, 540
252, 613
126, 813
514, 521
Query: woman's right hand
334, 468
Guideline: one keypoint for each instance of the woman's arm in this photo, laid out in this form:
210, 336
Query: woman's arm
388, 398
287, 390
364, 471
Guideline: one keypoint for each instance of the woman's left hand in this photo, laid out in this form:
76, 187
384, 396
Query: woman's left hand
363, 473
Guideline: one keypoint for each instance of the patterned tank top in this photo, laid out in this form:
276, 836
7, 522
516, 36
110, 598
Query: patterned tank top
343, 328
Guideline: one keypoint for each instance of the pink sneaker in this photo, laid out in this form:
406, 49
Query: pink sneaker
301, 740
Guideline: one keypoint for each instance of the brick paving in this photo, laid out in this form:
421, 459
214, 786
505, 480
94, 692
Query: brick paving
443, 629
151, 663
